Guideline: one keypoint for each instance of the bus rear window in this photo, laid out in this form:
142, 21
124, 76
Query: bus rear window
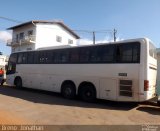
152, 50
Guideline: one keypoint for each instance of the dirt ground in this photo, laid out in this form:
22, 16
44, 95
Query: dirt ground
27, 106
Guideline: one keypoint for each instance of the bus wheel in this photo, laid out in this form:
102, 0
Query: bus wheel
68, 90
2, 82
87, 93
18, 82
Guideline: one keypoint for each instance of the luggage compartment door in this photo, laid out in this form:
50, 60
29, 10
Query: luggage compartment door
108, 89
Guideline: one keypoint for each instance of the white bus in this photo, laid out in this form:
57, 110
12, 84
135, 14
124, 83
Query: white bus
118, 71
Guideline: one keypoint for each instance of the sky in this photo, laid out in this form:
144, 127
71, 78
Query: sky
131, 18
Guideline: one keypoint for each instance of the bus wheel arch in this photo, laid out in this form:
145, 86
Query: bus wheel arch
18, 82
87, 91
68, 89
3, 81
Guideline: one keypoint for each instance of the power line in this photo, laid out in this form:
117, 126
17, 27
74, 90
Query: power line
96, 31
9, 19
86, 31
114, 32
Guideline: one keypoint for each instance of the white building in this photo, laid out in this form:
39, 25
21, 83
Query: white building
3, 61
38, 34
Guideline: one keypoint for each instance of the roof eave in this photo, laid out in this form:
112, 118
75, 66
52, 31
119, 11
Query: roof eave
41, 21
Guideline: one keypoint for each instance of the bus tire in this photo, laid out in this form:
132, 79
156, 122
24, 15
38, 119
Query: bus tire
87, 92
2, 82
68, 90
18, 82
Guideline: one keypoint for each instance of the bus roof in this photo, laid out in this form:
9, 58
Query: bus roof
75, 46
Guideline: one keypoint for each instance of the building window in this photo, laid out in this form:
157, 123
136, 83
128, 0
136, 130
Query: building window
58, 39
29, 48
17, 37
70, 41
30, 32
21, 36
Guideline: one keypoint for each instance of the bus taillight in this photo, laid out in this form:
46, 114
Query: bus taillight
146, 85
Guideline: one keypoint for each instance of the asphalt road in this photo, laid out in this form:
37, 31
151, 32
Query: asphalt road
26, 106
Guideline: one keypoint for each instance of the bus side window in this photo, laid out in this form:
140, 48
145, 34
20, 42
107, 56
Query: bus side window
95, 55
108, 54
30, 57
49, 57
53, 57
56, 57
124, 53
60, 56
74, 56
136, 52
84, 55
20, 56
13, 58
128, 53
36, 57
42, 57
24, 58
64, 56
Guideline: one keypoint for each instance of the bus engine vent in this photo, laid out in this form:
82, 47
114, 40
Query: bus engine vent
125, 88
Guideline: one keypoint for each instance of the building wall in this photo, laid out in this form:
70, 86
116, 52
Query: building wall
24, 30
46, 36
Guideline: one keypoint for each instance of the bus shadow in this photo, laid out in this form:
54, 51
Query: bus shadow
45, 97
149, 107
151, 110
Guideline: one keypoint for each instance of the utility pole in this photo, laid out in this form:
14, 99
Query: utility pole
114, 33
94, 38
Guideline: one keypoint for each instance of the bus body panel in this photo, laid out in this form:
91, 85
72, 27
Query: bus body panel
152, 73
150, 70
108, 89
50, 77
